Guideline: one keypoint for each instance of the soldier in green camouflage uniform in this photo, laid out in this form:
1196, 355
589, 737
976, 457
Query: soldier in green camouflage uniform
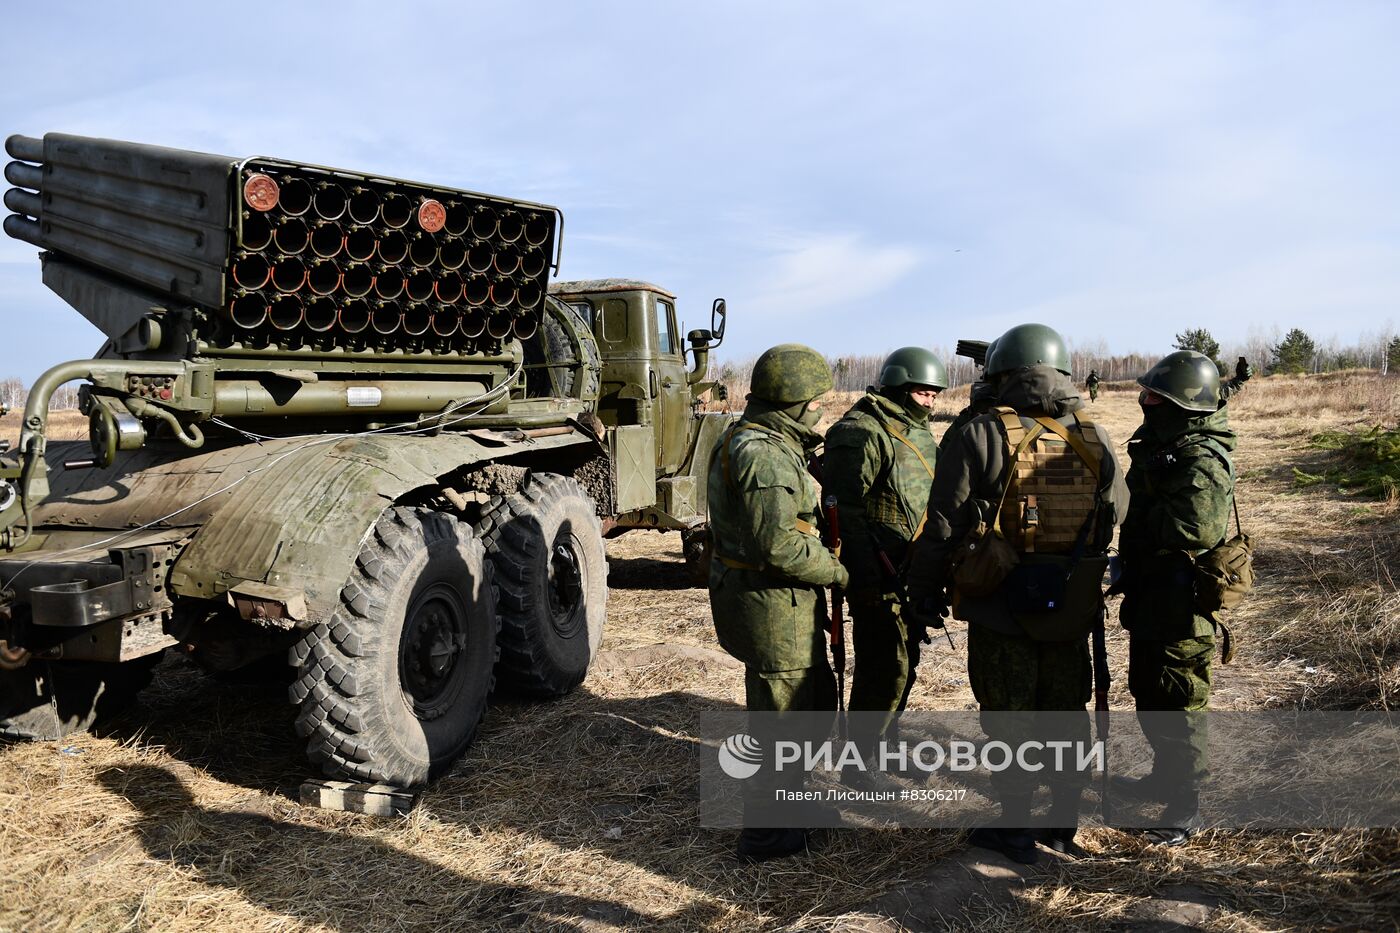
1182, 483
1092, 384
879, 466
1008, 671
770, 565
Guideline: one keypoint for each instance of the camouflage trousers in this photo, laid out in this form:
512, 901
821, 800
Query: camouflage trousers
885, 665
1171, 676
1011, 673
808, 688
767, 692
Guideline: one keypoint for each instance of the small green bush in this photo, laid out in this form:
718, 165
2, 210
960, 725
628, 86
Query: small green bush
1367, 461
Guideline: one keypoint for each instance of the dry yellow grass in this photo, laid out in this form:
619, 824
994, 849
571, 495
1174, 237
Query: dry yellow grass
64, 425
580, 814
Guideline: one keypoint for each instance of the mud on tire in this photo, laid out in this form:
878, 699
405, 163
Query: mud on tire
391, 688
546, 545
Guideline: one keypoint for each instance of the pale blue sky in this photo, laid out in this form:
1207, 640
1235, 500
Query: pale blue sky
854, 178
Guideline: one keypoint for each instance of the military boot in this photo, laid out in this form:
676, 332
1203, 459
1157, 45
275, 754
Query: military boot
1017, 843
1181, 819
1064, 820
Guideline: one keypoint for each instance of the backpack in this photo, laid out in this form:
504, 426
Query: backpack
1033, 550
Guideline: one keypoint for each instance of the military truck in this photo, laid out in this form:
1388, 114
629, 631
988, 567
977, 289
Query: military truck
342, 422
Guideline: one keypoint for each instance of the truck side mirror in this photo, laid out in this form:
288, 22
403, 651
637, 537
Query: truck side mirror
717, 320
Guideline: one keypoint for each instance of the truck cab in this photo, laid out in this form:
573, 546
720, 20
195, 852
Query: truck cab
651, 390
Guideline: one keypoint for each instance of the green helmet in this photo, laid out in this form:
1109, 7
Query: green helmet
790, 373
1028, 345
913, 366
1187, 379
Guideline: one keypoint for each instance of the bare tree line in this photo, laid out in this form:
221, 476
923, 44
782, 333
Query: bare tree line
853, 372
14, 393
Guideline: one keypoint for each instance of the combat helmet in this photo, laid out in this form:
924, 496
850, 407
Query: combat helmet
1028, 345
913, 366
790, 373
1185, 378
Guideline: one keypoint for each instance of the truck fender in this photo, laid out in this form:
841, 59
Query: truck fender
289, 514
300, 524
709, 427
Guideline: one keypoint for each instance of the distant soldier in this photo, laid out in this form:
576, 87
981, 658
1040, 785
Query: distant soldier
982, 397
1092, 384
1243, 373
1182, 482
1042, 478
879, 465
769, 563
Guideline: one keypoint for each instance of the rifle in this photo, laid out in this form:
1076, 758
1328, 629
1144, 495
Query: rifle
975, 350
838, 622
903, 596
1102, 678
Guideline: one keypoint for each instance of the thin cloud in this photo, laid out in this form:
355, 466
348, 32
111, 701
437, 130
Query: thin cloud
816, 274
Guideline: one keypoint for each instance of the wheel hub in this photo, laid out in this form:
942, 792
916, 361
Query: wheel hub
566, 586
431, 650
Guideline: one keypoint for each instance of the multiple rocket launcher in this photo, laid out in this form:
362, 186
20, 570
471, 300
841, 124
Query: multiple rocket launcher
311, 256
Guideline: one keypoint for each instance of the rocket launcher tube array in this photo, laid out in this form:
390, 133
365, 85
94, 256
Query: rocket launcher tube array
302, 244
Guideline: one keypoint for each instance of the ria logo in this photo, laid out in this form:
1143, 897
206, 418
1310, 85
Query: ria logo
740, 756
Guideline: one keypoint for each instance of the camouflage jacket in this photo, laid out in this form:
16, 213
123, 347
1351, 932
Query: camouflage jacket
769, 564
881, 485
1181, 482
972, 471
982, 398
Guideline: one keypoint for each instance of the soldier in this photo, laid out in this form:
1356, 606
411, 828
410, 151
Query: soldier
1092, 384
1182, 484
1036, 472
769, 563
879, 466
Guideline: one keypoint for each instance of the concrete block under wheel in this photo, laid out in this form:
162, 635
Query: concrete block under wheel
373, 799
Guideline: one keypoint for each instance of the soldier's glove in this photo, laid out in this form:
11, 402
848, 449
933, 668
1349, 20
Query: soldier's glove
924, 614
1243, 371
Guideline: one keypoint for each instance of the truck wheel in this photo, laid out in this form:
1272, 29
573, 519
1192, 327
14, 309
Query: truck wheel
695, 548
392, 686
87, 692
546, 544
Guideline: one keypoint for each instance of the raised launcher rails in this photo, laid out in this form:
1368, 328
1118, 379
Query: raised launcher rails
279, 255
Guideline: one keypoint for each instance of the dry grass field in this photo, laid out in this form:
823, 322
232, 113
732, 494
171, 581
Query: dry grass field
580, 815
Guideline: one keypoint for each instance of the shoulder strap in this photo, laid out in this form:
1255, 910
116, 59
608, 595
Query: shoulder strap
916, 527
1077, 443
899, 436
729, 435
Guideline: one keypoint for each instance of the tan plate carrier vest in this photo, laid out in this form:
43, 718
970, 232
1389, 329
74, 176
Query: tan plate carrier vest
1053, 483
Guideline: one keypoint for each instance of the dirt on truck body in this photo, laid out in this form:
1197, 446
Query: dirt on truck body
342, 423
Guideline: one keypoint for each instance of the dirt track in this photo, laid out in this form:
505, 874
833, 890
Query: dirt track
579, 814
